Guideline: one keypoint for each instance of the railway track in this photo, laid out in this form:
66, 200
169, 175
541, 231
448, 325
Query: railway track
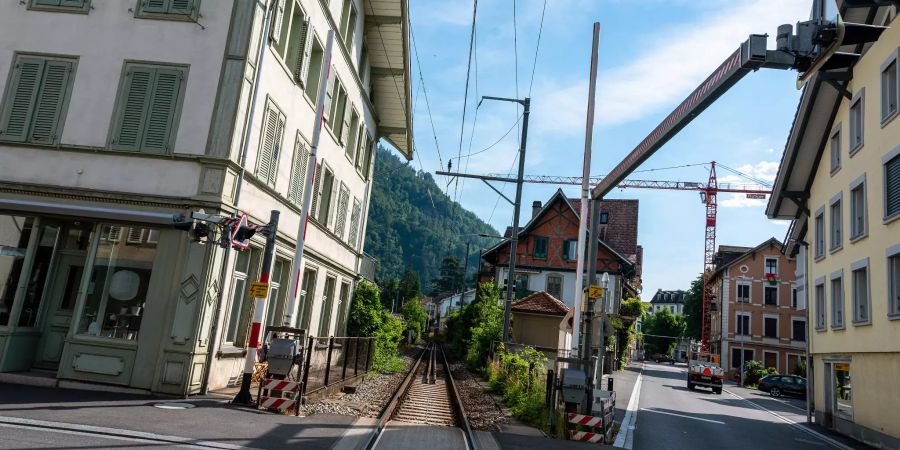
426, 411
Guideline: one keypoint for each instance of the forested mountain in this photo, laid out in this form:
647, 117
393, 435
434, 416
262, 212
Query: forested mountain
413, 223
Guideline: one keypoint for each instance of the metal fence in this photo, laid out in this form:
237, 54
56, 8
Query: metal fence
333, 361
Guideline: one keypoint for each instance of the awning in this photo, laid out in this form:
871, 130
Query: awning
87, 212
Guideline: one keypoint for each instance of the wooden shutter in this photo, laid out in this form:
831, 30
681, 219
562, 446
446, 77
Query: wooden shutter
302, 51
298, 171
161, 110
52, 95
361, 148
308, 36
341, 221
20, 100
354, 223
317, 191
155, 6
181, 7
276, 150
330, 220
892, 187
133, 103
330, 95
265, 160
277, 22
345, 128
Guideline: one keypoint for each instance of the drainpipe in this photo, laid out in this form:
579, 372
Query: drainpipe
809, 367
213, 330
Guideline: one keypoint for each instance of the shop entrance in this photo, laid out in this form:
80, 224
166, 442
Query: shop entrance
60, 300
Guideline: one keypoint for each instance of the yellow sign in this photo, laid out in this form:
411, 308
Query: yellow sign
595, 291
259, 290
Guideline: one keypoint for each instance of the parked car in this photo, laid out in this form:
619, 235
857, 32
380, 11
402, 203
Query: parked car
662, 358
778, 385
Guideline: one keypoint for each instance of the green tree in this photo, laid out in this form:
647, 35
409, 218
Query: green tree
409, 285
693, 308
487, 327
390, 293
451, 276
415, 317
366, 311
663, 330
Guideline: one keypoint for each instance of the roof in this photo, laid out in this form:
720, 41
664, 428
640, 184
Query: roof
668, 297
540, 303
387, 44
732, 261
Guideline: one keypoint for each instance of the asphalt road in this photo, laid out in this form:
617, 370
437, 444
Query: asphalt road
669, 416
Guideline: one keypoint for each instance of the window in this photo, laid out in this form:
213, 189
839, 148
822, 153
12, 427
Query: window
275, 304
336, 107
891, 163
794, 298
35, 282
770, 295
858, 222
367, 162
835, 144
324, 184
540, 247
893, 285
743, 324
554, 286
348, 23
889, 84
772, 266
340, 328
353, 137
176, 8
240, 305
119, 290
604, 217
820, 233
270, 142
570, 250
837, 300
307, 293
770, 325
743, 292
835, 221
341, 216
820, 304
289, 31
859, 277
314, 69
36, 99
736, 357
14, 238
363, 62
856, 121
148, 108
61, 5
798, 330
299, 168
841, 391
353, 235
327, 305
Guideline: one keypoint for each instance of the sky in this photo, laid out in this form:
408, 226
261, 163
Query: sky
653, 53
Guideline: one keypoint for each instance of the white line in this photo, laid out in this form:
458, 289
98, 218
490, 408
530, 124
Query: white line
790, 422
682, 415
626, 429
113, 433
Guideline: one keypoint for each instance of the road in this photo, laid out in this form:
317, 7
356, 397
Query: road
669, 416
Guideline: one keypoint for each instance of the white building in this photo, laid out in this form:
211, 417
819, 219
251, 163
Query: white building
117, 115
671, 300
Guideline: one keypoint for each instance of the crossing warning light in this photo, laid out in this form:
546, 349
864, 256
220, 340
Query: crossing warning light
241, 233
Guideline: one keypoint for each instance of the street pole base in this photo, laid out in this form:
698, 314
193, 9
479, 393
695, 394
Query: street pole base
243, 397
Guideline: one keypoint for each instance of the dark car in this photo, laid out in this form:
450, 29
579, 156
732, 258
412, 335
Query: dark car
662, 358
778, 385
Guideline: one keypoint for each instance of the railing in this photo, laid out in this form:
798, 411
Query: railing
367, 267
331, 362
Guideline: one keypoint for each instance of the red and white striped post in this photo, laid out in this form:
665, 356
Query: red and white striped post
259, 310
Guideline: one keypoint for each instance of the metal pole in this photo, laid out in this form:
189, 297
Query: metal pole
259, 310
585, 194
809, 318
514, 239
297, 264
593, 245
465, 272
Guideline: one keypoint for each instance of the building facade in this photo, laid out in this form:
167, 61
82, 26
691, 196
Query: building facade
670, 300
116, 116
844, 148
757, 315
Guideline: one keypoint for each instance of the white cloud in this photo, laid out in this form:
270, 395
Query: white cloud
763, 170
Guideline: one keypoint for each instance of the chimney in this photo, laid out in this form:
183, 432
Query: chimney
535, 208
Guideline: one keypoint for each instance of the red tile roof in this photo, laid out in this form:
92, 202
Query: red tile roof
540, 303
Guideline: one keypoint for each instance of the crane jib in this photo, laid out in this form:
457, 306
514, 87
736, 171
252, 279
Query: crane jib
751, 55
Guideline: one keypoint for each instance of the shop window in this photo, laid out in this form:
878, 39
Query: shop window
554, 286
15, 232
36, 281
240, 307
841, 391
117, 293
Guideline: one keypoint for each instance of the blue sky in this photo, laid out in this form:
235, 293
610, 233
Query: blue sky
652, 54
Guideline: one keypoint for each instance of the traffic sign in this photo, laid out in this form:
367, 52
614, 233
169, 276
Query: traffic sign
259, 290
595, 291
237, 241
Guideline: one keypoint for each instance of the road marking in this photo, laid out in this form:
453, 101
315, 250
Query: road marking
111, 433
682, 415
626, 430
790, 422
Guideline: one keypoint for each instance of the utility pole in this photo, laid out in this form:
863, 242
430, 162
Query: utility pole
587, 347
585, 191
465, 272
259, 310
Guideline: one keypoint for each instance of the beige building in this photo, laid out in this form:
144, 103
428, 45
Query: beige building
757, 314
538, 321
839, 182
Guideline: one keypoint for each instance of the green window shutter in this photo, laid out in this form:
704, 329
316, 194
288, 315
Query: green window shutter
341, 220
267, 147
277, 22
181, 7
133, 103
333, 202
298, 171
330, 96
892, 187
276, 150
345, 127
72, 3
155, 6
45, 2
50, 102
354, 223
317, 191
303, 50
565, 250
20, 100
166, 89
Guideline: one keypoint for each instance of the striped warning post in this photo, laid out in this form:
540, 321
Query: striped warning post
281, 385
584, 436
588, 421
276, 403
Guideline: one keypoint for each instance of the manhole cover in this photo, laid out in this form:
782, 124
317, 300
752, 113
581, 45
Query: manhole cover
174, 405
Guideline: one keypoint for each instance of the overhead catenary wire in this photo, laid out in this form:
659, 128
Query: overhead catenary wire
537, 47
462, 123
425, 93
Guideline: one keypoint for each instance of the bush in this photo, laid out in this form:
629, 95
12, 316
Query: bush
753, 371
387, 345
520, 379
415, 317
369, 318
488, 324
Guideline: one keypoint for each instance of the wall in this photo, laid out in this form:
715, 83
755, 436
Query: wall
536, 329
